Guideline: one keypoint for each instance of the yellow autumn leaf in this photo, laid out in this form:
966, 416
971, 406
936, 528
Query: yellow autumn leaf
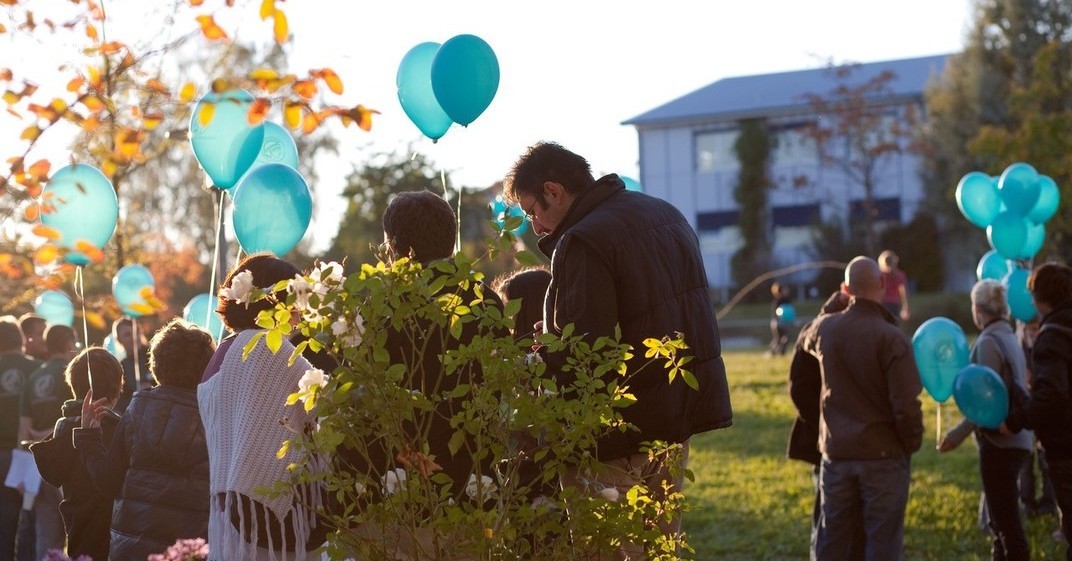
204, 117
30, 133
263, 74
11, 97
267, 9
91, 32
75, 84
109, 167
155, 303
142, 309
209, 28
92, 252
292, 115
152, 120
95, 77
95, 319
186, 94
280, 28
32, 212
46, 254
93, 103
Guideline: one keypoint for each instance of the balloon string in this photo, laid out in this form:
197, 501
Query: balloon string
79, 291
137, 357
938, 433
215, 253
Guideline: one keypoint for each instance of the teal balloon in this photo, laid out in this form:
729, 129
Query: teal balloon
631, 184
127, 286
981, 395
228, 145
414, 80
465, 77
1007, 234
786, 313
941, 350
1049, 198
1036, 236
978, 198
993, 265
500, 211
272, 209
1019, 187
55, 307
1021, 303
201, 311
81, 205
116, 349
278, 147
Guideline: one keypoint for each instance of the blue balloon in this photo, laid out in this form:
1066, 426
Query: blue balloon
1049, 198
992, 266
978, 199
278, 147
1036, 236
116, 349
272, 209
201, 311
465, 77
228, 145
80, 204
941, 350
1021, 303
1007, 234
1019, 187
786, 313
981, 396
631, 184
127, 286
55, 307
415, 93
500, 210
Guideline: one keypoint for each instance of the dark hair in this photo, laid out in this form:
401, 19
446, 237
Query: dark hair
10, 334
546, 161
1051, 283
107, 374
530, 284
267, 269
59, 338
29, 320
179, 353
420, 224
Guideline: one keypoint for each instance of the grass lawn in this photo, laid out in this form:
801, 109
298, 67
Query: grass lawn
750, 502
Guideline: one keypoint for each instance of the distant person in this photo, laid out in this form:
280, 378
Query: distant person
528, 284
779, 325
86, 512
895, 292
41, 405
1001, 456
1050, 401
156, 467
870, 420
33, 332
15, 370
135, 362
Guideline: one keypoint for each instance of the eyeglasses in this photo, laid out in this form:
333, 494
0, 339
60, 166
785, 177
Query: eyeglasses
529, 214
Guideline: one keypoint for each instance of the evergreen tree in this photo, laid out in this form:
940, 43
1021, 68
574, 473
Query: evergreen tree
753, 148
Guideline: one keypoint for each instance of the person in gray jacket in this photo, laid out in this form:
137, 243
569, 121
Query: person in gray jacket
870, 420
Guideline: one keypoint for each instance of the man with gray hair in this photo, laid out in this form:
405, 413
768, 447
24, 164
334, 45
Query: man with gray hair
870, 420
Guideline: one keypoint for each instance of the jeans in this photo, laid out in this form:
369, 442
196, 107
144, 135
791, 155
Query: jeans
50, 532
1061, 477
874, 492
1000, 471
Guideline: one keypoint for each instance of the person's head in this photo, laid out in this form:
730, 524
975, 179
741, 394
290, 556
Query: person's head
10, 336
266, 269
530, 285
60, 341
421, 225
1050, 285
864, 279
544, 182
988, 302
887, 261
123, 333
33, 334
106, 370
179, 353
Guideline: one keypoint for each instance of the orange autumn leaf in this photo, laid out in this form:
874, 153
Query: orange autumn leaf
280, 29
59, 106
152, 120
32, 212
46, 254
40, 169
305, 88
6, 75
30, 133
267, 9
11, 97
91, 32
47, 232
95, 319
220, 85
196, 3
209, 28
95, 77
92, 252
111, 47
3, 28
158, 86
91, 124
258, 111
204, 117
75, 84
186, 94
332, 80
363, 116
108, 168
310, 123
292, 115
93, 103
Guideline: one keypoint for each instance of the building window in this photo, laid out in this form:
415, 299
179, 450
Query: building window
795, 148
714, 150
795, 216
713, 221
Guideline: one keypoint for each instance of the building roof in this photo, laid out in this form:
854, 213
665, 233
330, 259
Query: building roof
763, 94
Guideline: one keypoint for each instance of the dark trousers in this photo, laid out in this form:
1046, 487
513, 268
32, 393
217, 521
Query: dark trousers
1000, 471
871, 492
1061, 476
1030, 483
10, 506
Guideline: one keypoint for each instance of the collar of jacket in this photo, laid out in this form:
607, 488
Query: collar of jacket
586, 201
1061, 314
870, 306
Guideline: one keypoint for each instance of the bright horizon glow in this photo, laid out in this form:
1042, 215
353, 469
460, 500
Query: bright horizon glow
571, 71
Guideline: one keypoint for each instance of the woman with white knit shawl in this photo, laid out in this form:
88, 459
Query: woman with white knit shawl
243, 407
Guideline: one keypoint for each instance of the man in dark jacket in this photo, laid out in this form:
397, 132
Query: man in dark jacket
623, 259
1049, 409
15, 368
870, 420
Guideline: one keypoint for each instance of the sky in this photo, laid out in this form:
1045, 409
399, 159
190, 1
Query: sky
572, 70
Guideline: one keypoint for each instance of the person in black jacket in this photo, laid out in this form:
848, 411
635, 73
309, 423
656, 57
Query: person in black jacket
84, 509
156, 466
624, 259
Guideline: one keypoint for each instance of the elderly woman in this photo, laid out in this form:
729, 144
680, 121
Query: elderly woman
1001, 454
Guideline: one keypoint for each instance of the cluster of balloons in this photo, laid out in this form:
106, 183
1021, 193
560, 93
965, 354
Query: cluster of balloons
55, 307
256, 164
82, 207
439, 85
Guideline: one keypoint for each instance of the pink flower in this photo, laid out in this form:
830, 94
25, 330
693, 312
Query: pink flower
184, 550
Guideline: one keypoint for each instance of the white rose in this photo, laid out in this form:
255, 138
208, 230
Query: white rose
610, 493
312, 377
482, 488
334, 270
241, 286
393, 481
301, 289
351, 335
